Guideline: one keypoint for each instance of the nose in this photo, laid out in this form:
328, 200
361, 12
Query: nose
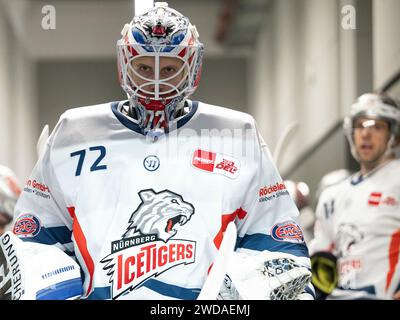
366, 132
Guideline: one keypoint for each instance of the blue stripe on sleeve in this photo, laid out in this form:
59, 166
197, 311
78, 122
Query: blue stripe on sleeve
62, 290
261, 242
51, 236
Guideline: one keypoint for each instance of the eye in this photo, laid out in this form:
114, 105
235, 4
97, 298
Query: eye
174, 201
144, 68
168, 71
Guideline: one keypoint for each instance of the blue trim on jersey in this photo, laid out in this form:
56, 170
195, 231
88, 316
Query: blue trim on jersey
309, 291
357, 180
368, 289
261, 242
62, 290
51, 236
172, 290
135, 127
124, 120
100, 293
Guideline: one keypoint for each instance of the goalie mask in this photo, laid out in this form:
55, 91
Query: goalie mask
374, 106
159, 65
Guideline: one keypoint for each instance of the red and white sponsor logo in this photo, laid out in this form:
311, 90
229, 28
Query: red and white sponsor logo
376, 199
264, 191
287, 231
130, 267
37, 185
216, 163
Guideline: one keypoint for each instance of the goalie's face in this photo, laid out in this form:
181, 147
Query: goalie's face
157, 77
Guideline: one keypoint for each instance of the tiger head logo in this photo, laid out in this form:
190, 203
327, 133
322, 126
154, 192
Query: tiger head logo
347, 236
160, 214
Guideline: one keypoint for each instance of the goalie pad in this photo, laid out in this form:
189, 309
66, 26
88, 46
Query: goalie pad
33, 271
265, 276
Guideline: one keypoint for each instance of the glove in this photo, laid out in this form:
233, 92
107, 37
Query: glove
33, 271
265, 276
324, 273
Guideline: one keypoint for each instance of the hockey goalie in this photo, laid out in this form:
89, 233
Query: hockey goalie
131, 199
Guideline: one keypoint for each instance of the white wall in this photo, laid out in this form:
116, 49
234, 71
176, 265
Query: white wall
386, 34
296, 73
18, 121
90, 29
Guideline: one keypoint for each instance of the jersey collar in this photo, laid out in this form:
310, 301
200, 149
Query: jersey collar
134, 126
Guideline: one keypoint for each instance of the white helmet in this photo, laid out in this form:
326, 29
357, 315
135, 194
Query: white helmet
9, 192
159, 32
374, 105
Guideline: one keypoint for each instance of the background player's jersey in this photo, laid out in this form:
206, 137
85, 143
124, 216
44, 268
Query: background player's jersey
145, 216
359, 221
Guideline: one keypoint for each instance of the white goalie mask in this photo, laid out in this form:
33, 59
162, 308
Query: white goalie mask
159, 64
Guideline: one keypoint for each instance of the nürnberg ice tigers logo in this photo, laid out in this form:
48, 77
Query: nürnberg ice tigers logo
347, 236
160, 214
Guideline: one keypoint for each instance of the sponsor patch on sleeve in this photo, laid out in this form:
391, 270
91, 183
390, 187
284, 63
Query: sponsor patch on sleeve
287, 231
27, 226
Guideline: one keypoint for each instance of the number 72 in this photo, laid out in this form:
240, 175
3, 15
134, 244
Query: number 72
95, 166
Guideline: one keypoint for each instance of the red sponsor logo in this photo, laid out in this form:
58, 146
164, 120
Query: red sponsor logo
376, 198
37, 185
227, 165
264, 191
216, 163
204, 160
390, 201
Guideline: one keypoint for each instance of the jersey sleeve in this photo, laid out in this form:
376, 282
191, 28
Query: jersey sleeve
271, 220
323, 236
41, 214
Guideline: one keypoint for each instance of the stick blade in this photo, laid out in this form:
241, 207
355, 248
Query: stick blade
213, 283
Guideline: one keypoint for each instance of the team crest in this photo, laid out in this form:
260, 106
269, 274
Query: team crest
148, 246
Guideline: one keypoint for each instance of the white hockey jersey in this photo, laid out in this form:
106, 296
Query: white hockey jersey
145, 216
358, 220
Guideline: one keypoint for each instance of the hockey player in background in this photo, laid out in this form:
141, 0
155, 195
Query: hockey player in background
355, 252
140, 191
9, 193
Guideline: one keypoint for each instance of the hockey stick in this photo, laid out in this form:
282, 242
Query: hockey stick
213, 283
284, 141
41, 143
